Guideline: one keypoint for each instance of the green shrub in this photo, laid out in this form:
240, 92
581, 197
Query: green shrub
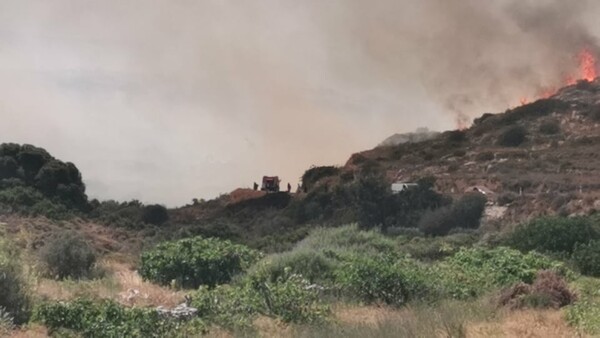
456, 136
68, 255
587, 258
106, 318
472, 272
314, 174
512, 136
315, 266
550, 127
584, 314
14, 293
348, 238
7, 323
289, 298
377, 206
465, 213
229, 306
553, 234
196, 261
155, 214
383, 279
432, 249
37, 169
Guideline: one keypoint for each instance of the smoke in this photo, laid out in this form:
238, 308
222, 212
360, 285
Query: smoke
167, 100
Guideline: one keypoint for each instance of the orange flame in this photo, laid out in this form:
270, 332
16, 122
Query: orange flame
587, 71
587, 65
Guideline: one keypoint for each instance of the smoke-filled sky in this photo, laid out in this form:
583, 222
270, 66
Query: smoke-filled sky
169, 100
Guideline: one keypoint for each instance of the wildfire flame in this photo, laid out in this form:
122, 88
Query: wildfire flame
587, 65
587, 71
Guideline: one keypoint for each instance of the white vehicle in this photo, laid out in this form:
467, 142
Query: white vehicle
401, 186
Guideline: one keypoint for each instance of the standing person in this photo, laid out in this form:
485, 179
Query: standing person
255, 186
289, 187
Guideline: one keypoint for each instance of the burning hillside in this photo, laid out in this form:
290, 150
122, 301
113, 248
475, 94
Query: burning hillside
587, 71
538, 158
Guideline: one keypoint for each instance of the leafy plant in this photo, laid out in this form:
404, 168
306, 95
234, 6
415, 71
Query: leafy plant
385, 279
155, 214
550, 127
68, 255
587, 257
196, 261
14, 294
465, 213
314, 174
290, 298
585, 312
553, 234
512, 136
106, 318
471, 272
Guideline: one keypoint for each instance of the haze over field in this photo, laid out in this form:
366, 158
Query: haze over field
166, 100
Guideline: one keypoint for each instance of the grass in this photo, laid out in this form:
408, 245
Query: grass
585, 312
121, 283
447, 319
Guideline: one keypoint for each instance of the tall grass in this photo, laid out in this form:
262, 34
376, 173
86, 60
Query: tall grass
447, 319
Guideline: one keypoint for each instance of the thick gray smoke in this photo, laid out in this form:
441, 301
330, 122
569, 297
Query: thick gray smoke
167, 100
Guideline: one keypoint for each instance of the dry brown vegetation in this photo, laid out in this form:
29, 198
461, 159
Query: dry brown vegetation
121, 283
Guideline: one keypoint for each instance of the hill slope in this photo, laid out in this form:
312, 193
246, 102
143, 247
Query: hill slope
539, 158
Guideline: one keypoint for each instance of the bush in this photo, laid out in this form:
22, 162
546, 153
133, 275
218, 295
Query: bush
507, 198
106, 318
549, 290
378, 207
512, 136
289, 298
14, 293
347, 239
383, 279
155, 214
36, 168
315, 174
485, 156
557, 235
456, 136
315, 266
122, 214
68, 255
465, 213
472, 272
196, 261
318, 255
587, 258
550, 128
585, 312
432, 249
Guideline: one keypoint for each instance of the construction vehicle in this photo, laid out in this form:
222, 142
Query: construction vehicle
270, 184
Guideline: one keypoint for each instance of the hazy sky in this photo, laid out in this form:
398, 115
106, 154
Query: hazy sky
167, 100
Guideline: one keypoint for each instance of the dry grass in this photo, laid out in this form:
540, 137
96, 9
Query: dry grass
31, 331
121, 283
448, 320
369, 315
525, 323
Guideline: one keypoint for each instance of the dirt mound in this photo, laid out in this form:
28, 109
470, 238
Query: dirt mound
242, 194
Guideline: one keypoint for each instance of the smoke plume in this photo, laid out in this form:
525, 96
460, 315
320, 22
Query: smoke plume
167, 100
